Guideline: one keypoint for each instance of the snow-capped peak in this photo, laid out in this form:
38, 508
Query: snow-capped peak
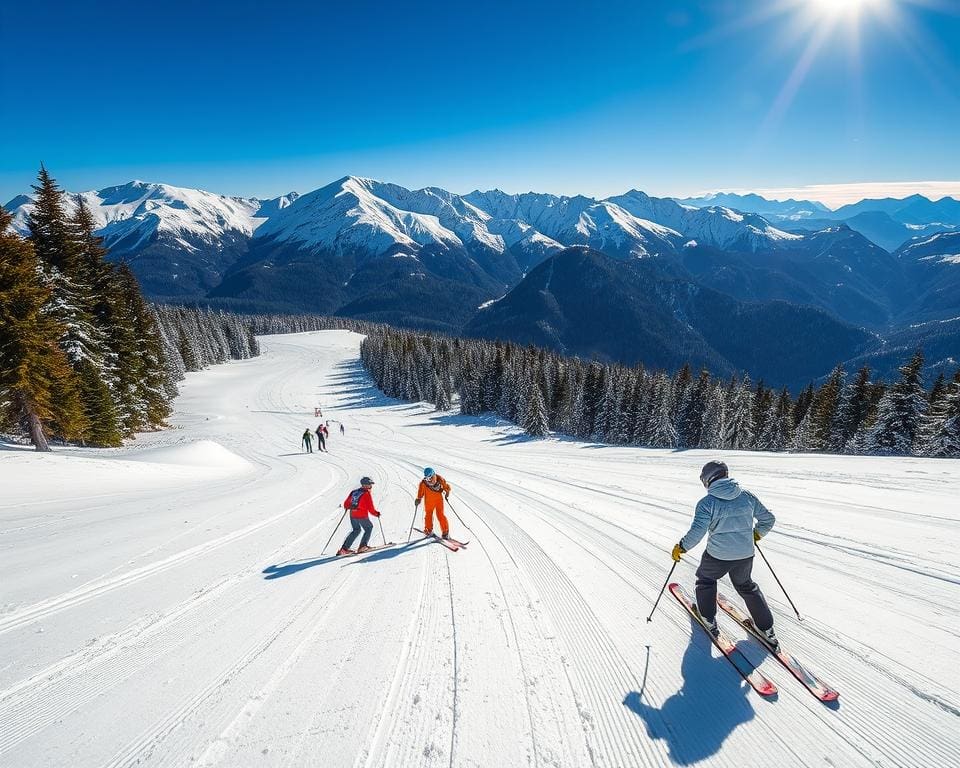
128, 215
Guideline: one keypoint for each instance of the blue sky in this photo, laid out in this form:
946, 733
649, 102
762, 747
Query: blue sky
259, 98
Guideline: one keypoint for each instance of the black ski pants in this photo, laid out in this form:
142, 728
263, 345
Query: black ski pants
358, 523
711, 569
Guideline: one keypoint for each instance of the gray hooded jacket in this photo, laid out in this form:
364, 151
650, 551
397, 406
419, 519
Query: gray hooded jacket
726, 513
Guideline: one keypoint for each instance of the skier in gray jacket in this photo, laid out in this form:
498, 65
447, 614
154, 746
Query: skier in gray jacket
726, 515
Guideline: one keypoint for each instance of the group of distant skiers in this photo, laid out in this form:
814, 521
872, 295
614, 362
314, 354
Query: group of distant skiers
433, 490
733, 519
322, 432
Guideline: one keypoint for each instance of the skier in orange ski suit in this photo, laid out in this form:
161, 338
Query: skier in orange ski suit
433, 489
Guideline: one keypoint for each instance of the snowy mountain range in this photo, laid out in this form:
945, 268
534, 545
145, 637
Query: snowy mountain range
888, 222
178, 240
432, 258
753, 203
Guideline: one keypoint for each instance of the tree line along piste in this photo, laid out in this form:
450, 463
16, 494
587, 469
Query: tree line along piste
84, 359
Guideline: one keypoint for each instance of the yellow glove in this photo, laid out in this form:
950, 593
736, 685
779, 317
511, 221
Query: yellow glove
756, 535
678, 550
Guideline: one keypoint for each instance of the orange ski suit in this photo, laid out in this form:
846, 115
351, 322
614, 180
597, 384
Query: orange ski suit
432, 495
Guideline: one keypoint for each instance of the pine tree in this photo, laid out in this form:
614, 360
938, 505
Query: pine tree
662, 433
938, 391
38, 389
763, 403
778, 426
714, 418
800, 408
852, 412
690, 418
535, 420
901, 412
99, 409
824, 410
803, 434
942, 432
440, 400
738, 432
56, 244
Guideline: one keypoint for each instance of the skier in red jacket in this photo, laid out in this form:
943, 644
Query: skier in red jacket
360, 504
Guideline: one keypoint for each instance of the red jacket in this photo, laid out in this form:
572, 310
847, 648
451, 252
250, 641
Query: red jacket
360, 503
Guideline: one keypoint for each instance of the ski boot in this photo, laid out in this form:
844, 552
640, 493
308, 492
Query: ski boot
445, 536
771, 637
363, 548
711, 626
344, 551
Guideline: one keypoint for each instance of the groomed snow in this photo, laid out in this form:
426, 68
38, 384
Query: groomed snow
170, 604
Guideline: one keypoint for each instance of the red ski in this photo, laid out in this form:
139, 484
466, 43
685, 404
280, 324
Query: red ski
452, 544
814, 684
727, 647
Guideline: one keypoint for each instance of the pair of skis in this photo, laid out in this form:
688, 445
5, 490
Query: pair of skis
368, 551
452, 544
757, 680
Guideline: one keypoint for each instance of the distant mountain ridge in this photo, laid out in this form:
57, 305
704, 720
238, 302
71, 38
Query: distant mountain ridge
888, 222
581, 302
753, 203
431, 258
178, 241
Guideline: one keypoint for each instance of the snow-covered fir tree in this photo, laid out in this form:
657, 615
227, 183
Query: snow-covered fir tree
900, 412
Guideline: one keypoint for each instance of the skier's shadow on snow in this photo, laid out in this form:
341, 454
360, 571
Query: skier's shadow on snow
288, 569
697, 719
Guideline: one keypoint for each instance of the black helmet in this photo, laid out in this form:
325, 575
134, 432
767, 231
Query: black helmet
366, 481
712, 470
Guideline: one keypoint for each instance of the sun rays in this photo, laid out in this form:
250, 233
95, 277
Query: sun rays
811, 29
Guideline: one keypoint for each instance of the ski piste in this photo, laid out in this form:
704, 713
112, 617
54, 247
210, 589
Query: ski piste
368, 551
727, 647
452, 544
814, 684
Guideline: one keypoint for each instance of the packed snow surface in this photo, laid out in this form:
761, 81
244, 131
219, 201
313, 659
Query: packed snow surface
172, 604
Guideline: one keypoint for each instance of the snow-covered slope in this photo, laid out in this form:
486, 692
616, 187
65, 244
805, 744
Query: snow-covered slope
943, 247
159, 613
348, 214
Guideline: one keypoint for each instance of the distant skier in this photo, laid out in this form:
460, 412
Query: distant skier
433, 490
726, 515
360, 505
307, 440
341, 429
321, 442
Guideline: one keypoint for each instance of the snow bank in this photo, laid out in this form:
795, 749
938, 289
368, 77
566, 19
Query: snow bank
202, 453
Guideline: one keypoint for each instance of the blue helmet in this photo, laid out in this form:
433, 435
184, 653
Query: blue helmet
428, 472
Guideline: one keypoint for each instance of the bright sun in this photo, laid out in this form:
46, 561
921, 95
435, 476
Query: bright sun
840, 7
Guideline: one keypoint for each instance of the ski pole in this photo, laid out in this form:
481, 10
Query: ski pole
334, 532
662, 589
450, 504
757, 545
412, 521
381, 531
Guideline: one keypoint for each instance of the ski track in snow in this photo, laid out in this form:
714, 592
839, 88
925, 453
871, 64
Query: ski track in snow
190, 618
